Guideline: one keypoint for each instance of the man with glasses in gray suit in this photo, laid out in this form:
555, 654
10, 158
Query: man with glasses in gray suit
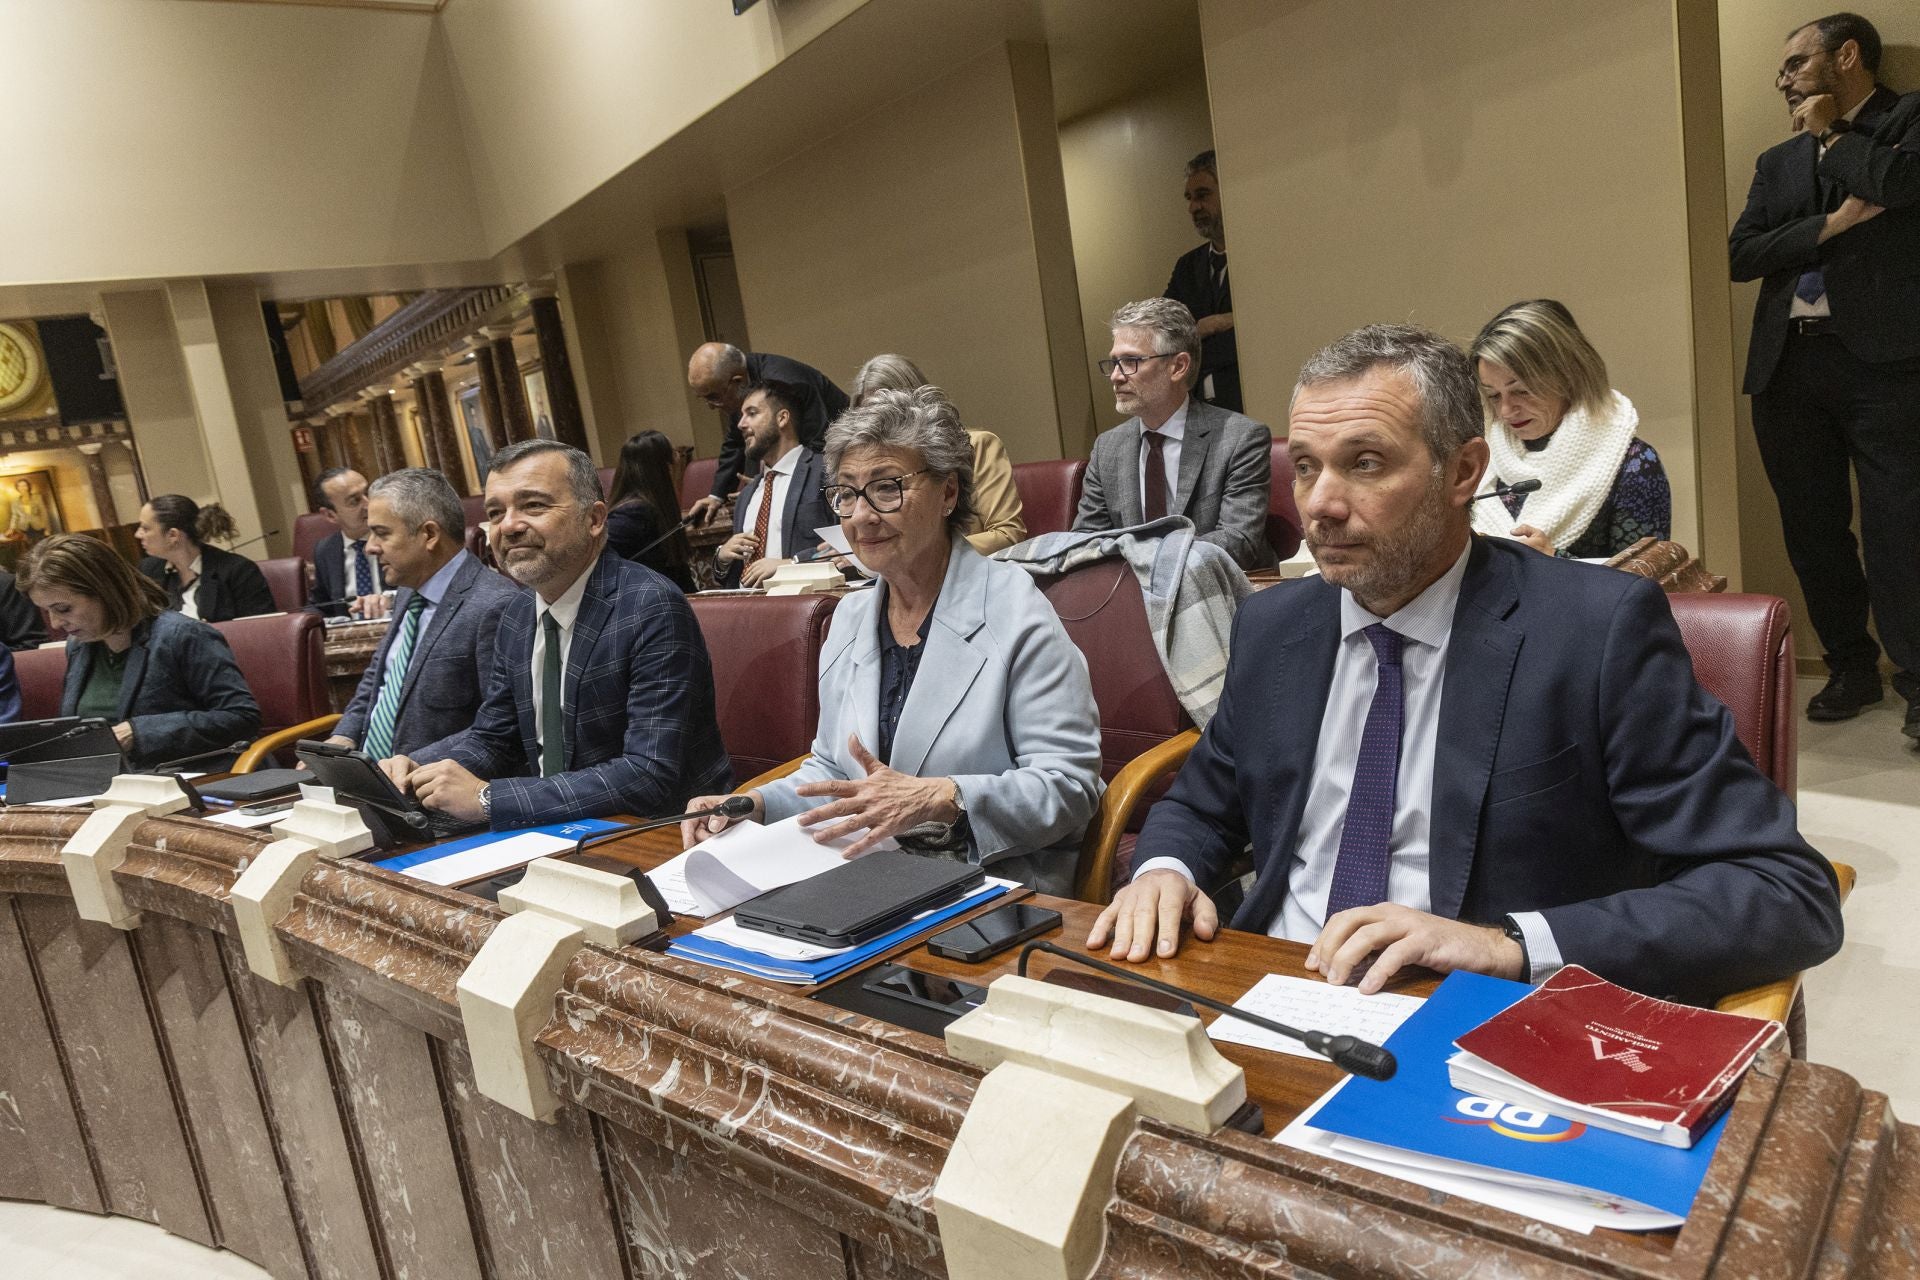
1177, 455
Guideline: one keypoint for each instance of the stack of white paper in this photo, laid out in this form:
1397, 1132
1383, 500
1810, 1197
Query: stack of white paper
745, 861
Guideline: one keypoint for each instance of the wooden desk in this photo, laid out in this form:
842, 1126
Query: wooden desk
348, 648
712, 1124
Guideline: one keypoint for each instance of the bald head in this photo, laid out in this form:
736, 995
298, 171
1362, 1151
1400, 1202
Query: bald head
718, 375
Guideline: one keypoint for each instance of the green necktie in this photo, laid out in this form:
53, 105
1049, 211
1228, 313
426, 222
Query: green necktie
553, 718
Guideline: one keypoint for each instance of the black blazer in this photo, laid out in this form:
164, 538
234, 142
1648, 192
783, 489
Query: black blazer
820, 403
1579, 772
803, 510
1192, 285
1872, 271
21, 626
229, 587
630, 527
182, 691
330, 575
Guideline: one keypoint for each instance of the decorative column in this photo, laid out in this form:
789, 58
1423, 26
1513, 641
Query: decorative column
490, 407
568, 425
357, 427
334, 454
513, 390
437, 423
423, 417
386, 430
102, 491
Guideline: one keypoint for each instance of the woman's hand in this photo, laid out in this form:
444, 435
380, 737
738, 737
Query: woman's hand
1532, 537
694, 830
123, 734
883, 804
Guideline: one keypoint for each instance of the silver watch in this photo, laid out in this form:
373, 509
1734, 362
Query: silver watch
486, 800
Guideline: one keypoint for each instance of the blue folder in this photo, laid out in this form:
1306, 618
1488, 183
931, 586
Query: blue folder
1419, 1110
435, 852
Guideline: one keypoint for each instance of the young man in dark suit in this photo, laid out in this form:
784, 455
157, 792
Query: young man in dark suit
346, 577
427, 679
778, 511
1459, 753
720, 374
601, 696
1832, 231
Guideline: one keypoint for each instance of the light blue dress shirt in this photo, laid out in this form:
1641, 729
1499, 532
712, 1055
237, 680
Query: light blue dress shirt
433, 591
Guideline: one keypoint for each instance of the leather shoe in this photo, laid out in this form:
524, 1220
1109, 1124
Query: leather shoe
1846, 694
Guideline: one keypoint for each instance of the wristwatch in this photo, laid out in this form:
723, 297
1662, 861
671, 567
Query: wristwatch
486, 804
1511, 928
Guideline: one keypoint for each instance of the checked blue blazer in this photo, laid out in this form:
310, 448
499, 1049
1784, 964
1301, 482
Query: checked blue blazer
641, 734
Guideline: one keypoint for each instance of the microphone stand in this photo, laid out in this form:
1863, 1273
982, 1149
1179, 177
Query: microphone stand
671, 530
1504, 490
1347, 1052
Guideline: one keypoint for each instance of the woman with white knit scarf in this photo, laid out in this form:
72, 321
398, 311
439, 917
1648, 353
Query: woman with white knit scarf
1552, 417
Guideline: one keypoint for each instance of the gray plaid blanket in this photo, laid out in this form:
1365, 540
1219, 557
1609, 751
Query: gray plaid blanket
1191, 589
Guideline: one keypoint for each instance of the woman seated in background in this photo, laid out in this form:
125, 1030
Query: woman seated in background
997, 521
200, 581
1552, 417
168, 683
644, 506
955, 714
9, 688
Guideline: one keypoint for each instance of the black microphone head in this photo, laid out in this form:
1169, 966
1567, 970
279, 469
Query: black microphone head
1525, 486
1361, 1058
735, 807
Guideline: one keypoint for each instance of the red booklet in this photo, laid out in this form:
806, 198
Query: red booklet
1581, 1048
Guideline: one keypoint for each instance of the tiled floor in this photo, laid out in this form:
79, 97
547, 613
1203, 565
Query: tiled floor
1859, 803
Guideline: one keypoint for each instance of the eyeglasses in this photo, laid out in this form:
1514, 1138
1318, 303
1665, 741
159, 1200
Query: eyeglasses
882, 495
1130, 365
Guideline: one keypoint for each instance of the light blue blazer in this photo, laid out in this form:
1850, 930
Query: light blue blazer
1001, 704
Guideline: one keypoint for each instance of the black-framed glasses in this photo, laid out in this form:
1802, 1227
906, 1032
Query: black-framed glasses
882, 495
1130, 365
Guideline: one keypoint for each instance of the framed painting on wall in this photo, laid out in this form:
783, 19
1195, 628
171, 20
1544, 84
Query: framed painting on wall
537, 405
476, 425
29, 508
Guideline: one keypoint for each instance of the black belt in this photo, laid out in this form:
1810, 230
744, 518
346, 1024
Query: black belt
1808, 326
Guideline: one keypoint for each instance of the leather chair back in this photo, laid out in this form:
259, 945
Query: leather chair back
1742, 650
309, 528
765, 652
1102, 609
606, 481
287, 578
1049, 493
475, 509
1283, 518
281, 660
41, 673
697, 480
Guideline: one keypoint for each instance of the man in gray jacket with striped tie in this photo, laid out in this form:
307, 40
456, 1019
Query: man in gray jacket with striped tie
428, 677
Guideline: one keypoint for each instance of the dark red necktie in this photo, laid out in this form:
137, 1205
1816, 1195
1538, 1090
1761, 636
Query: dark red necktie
1156, 494
761, 521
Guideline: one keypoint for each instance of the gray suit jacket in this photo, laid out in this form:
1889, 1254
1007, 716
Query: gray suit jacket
1225, 473
447, 675
1001, 704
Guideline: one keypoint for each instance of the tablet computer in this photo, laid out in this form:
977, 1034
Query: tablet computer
860, 900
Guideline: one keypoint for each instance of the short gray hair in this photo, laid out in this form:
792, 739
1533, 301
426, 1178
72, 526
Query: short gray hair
886, 372
1203, 163
1171, 325
1440, 371
921, 421
420, 494
582, 477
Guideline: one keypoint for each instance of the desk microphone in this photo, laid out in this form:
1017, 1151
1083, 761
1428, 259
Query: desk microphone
168, 766
686, 522
731, 807
250, 541
1347, 1052
1499, 491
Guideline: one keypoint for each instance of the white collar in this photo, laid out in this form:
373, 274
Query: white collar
1174, 428
789, 461
1427, 618
567, 607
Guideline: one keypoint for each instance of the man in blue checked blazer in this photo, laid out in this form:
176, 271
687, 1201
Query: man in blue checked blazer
428, 677
600, 700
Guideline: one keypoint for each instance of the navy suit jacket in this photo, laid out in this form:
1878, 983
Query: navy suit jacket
181, 690
330, 576
803, 510
1873, 282
447, 674
1580, 772
641, 733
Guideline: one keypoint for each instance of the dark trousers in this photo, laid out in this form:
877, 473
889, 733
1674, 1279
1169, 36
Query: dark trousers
1824, 413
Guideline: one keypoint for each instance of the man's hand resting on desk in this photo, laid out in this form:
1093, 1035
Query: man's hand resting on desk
694, 830
1144, 918
1398, 936
447, 786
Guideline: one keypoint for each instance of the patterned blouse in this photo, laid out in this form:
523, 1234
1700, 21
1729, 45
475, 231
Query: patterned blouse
1641, 505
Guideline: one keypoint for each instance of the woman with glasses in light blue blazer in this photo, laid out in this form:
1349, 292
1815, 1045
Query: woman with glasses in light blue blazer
956, 716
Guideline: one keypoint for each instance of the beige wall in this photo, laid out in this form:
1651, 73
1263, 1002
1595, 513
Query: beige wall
1125, 167
915, 231
1752, 33
1459, 156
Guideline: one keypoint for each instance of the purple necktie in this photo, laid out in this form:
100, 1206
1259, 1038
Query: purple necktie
1360, 871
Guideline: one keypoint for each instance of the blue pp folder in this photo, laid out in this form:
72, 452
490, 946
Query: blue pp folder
1419, 1110
434, 852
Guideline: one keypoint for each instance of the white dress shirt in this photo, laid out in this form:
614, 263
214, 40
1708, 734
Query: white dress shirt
190, 595
779, 476
564, 610
349, 589
1818, 307
1425, 625
1175, 430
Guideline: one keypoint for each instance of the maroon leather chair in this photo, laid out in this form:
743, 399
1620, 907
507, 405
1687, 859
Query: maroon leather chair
475, 510
41, 673
287, 578
1283, 518
606, 481
309, 528
1742, 650
765, 652
697, 480
1049, 493
280, 658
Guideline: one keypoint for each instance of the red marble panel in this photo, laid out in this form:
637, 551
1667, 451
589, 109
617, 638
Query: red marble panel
43, 1151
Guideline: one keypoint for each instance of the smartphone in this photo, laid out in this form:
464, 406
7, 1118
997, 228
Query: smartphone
265, 807
994, 932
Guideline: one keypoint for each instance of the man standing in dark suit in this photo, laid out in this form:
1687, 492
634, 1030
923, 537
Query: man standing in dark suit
426, 681
1200, 284
601, 696
720, 374
775, 519
1832, 231
21, 626
346, 579
1459, 753
1177, 455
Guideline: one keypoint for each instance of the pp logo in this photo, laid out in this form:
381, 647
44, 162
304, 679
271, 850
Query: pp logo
1510, 1121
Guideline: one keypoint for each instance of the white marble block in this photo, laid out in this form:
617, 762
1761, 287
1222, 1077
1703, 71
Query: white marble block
334, 830
607, 907
94, 852
800, 578
261, 897
506, 996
